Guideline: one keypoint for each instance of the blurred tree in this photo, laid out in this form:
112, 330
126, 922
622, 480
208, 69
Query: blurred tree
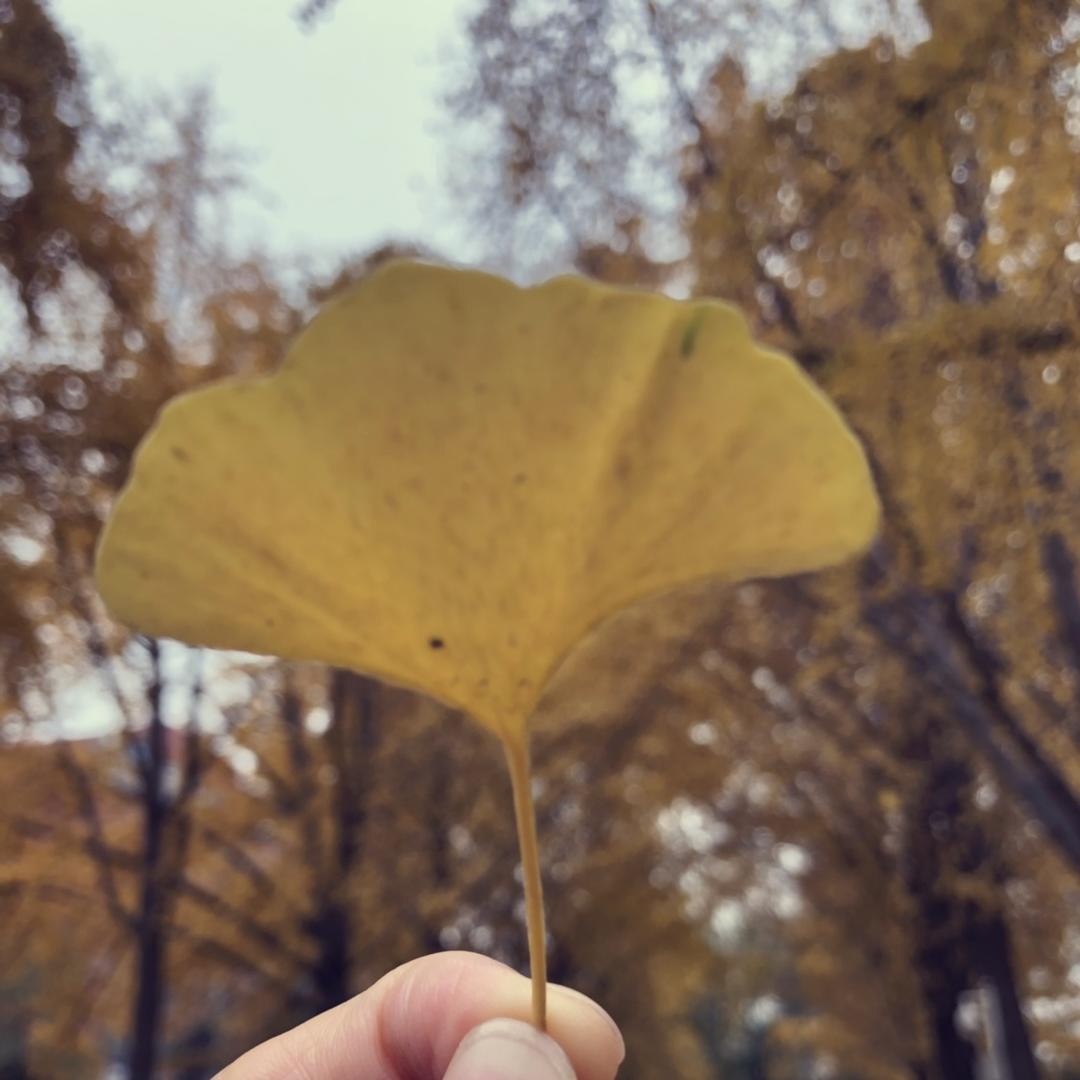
805, 826
107, 229
52, 223
902, 219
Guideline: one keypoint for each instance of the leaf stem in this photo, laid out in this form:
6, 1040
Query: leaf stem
517, 758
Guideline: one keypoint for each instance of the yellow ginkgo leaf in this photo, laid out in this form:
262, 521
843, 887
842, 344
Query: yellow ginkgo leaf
451, 479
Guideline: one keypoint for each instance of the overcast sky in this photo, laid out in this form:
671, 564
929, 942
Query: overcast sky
342, 120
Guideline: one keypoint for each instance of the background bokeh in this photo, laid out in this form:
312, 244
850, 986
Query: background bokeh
816, 828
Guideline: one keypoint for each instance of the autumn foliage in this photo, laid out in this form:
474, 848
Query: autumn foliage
826, 825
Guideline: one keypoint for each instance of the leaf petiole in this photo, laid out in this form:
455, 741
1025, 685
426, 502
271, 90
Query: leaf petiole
516, 747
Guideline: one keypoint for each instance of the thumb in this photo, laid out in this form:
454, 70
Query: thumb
509, 1050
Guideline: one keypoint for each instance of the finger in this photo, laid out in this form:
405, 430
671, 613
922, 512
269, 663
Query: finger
411, 1023
509, 1050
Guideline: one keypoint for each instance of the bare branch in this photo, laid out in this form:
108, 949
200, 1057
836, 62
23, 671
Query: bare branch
96, 844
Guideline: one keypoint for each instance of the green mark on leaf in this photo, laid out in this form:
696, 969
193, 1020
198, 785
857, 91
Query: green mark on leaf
690, 333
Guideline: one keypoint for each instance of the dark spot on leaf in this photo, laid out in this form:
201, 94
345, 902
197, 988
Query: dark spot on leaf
690, 333
519, 479
436, 642
180, 454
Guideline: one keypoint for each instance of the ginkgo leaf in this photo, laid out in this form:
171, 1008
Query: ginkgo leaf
451, 479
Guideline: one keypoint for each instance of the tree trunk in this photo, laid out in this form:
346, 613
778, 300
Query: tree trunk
949, 655
952, 1056
14, 1064
148, 995
945, 926
354, 737
150, 918
331, 971
1010, 1040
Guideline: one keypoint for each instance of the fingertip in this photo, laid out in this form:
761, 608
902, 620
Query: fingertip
586, 1031
509, 1050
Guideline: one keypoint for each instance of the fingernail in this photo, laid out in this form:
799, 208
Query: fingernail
509, 1050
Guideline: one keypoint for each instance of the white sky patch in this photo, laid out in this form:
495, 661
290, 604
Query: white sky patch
83, 712
317, 721
22, 548
86, 709
343, 122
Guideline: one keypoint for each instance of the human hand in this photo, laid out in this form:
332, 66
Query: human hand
451, 1016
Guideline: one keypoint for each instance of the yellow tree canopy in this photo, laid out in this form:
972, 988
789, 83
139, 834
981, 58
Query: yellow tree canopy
451, 479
